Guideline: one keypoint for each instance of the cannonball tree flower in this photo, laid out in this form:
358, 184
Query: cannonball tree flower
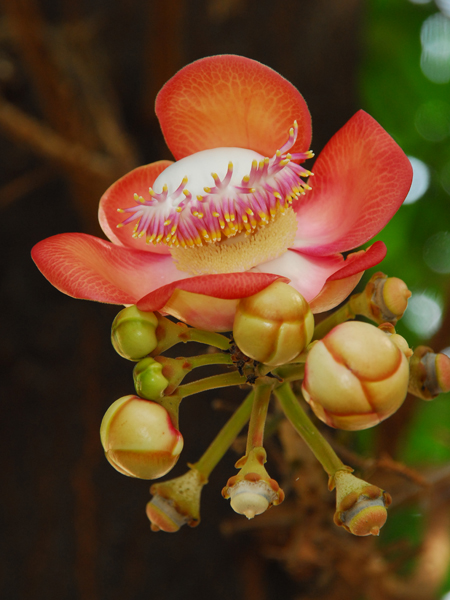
235, 213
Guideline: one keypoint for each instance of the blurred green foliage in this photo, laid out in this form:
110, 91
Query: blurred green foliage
396, 92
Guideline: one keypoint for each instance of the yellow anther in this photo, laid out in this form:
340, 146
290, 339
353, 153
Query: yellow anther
277, 195
200, 215
184, 180
215, 214
200, 198
165, 188
119, 225
186, 192
278, 153
249, 212
284, 162
136, 197
167, 222
266, 160
307, 187
230, 166
289, 156
151, 192
179, 209
159, 238
207, 190
246, 179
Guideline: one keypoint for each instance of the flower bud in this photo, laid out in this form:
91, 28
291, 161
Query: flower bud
176, 502
133, 333
384, 299
360, 506
355, 376
149, 381
139, 438
429, 373
252, 491
274, 325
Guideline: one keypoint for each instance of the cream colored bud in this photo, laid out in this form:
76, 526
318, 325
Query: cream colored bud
274, 325
355, 376
251, 498
139, 438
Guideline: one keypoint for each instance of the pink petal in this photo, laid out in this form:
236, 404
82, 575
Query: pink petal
356, 262
120, 195
308, 274
334, 292
360, 180
203, 312
343, 282
87, 267
229, 286
230, 101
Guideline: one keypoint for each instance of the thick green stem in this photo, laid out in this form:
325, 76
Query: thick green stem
258, 417
216, 358
340, 316
290, 372
321, 449
225, 438
210, 383
208, 337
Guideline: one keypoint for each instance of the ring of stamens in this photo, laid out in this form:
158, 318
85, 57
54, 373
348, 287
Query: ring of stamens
225, 209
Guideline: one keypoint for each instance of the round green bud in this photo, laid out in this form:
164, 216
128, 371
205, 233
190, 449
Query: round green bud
133, 333
149, 381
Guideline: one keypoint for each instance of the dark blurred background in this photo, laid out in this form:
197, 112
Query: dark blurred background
77, 87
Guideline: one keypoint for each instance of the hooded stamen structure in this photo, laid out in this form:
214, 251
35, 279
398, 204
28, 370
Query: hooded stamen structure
239, 201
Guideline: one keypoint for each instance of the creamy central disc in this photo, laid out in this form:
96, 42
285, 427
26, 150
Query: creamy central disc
199, 166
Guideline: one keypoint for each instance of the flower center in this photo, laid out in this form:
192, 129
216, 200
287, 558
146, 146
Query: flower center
241, 252
249, 192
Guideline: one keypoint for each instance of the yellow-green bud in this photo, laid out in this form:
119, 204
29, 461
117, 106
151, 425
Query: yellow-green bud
149, 381
360, 506
139, 438
133, 333
355, 376
274, 325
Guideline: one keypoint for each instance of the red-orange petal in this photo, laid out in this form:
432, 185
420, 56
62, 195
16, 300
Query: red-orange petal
360, 181
121, 195
87, 267
228, 286
360, 261
230, 101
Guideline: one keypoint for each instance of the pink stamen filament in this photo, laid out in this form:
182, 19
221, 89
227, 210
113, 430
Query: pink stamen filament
225, 209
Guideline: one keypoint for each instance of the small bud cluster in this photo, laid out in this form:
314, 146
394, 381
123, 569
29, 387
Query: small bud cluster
353, 376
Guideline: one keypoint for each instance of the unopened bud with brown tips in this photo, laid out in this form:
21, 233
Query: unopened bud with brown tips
176, 502
252, 491
360, 506
384, 299
429, 373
